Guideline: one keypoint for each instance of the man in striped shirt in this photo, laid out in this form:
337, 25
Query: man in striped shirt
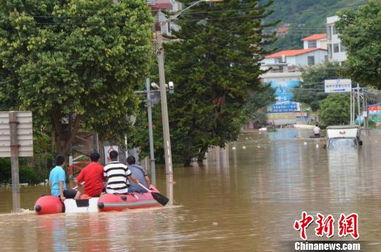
116, 175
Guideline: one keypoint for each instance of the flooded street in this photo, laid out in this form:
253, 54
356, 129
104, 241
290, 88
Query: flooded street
245, 198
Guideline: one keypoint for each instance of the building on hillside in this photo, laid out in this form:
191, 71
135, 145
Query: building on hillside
294, 60
336, 50
282, 31
315, 41
284, 73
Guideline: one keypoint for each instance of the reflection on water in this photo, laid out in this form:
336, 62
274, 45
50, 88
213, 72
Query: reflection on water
342, 144
343, 165
244, 198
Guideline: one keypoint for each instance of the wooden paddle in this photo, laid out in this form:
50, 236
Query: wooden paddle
157, 196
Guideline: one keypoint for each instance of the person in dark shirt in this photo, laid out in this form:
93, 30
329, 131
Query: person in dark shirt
140, 173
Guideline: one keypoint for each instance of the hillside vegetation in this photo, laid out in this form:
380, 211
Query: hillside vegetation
305, 17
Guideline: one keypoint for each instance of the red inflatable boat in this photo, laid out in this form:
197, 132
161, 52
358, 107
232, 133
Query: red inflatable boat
48, 204
107, 202
111, 202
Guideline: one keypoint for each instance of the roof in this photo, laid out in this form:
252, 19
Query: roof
290, 53
283, 28
343, 127
161, 4
315, 37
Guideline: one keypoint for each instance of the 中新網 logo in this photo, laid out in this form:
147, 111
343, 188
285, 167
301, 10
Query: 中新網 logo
325, 225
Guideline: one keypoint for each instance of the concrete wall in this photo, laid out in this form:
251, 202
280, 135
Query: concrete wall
277, 77
302, 60
321, 43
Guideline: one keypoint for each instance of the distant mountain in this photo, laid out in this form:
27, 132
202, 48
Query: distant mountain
304, 17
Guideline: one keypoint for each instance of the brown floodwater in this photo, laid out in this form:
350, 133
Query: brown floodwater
245, 197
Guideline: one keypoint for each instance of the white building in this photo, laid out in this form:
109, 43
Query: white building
336, 50
285, 73
292, 60
315, 41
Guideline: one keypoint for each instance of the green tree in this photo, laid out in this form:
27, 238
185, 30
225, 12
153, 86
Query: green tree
74, 63
256, 106
360, 32
311, 90
334, 110
214, 64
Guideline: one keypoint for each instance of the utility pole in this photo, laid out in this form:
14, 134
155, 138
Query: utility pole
358, 102
367, 111
14, 161
351, 106
164, 106
150, 132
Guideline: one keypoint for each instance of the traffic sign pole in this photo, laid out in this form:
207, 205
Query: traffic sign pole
14, 161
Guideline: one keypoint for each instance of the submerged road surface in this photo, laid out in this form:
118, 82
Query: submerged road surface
245, 198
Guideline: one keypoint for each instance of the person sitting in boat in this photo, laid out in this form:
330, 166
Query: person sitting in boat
316, 131
92, 177
57, 181
116, 174
140, 173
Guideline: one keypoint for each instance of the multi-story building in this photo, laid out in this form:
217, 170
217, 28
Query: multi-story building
336, 50
313, 53
315, 41
293, 60
284, 73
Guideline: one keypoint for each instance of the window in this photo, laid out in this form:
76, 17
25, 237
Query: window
311, 60
329, 47
329, 32
312, 44
334, 30
335, 48
169, 27
326, 58
281, 60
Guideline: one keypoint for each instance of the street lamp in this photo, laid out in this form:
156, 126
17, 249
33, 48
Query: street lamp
190, 6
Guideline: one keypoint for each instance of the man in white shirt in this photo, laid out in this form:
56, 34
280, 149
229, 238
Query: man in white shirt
316, 131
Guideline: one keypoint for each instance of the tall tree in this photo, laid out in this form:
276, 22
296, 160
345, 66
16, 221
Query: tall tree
334, 110
360, 32
214, 64
74, 63
311, 90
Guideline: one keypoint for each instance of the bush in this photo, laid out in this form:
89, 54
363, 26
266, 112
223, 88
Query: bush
27, 174
5, 170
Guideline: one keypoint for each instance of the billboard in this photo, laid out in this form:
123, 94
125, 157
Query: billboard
374, 111
338, 86
284, 96
107, 150
283, 107
283, 90
24, 133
